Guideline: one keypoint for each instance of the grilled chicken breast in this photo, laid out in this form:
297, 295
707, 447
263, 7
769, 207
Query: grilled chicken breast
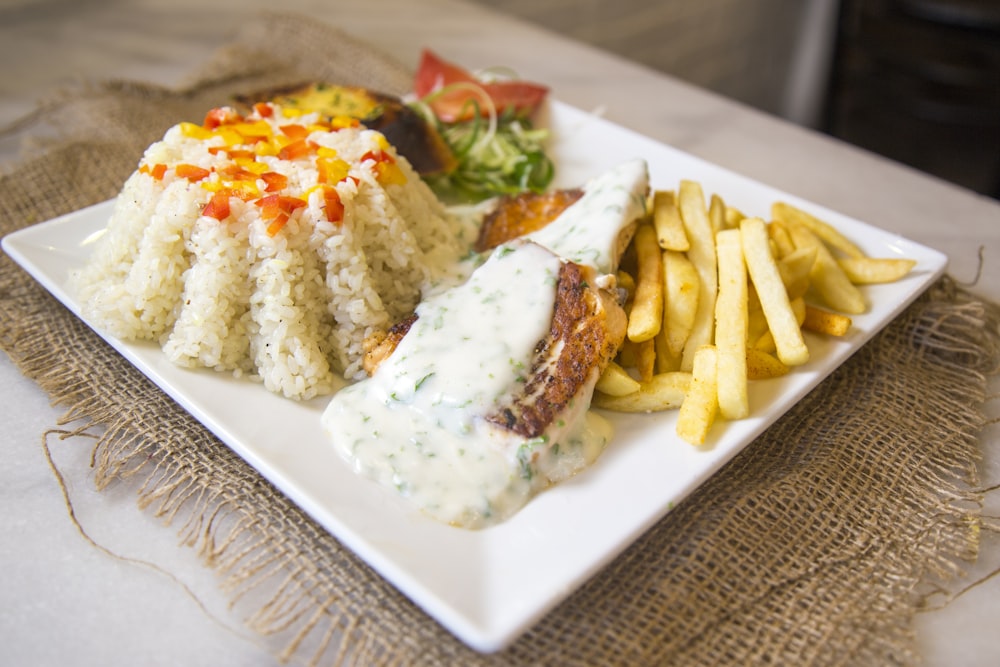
521, 214
587, 329
481, 398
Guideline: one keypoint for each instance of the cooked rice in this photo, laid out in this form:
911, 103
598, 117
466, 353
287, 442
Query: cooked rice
290, 307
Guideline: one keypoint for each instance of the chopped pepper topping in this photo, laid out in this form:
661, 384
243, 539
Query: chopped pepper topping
332, 204
191, 172
218, 206
157, 171
278, 209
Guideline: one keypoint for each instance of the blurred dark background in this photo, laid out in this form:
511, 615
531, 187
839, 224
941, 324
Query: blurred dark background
917, 81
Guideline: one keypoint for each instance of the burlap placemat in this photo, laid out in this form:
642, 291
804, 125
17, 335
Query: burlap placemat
813, 546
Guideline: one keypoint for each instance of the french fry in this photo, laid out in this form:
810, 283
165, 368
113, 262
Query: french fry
826, 277
798, 305
778, 234
667, 220
644, 358
681, 292
717, 213
825, 322
795, 268
763, 366
734, 217
615, 381
666, 361
701, 403
756, 321
763, 270
646, 317
731, 319
765, 343
626, 355
871, 270
691, 202
828, 233
664, 391
716, 299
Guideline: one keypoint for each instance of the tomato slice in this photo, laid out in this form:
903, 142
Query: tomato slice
434, 73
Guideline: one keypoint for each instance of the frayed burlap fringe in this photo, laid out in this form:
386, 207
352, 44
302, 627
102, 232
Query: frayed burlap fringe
815, 545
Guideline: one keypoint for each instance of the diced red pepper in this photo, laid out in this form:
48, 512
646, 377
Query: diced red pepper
332, 204
191, 172
294, 150
273, 205
268, 206
235, 172
386, 171
278, 209
218, 206
277, 224
156, 171
378, 156
294, 131
221, 116
263, 109
233, 153
275, 182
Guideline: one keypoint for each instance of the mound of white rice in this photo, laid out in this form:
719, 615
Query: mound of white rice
287, 303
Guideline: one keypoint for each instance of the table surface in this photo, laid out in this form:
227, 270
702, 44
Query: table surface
141, 593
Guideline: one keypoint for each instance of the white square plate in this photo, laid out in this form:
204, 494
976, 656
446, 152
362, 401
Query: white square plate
489, 586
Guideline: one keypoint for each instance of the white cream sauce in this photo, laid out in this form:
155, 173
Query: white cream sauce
586, 232
418, 424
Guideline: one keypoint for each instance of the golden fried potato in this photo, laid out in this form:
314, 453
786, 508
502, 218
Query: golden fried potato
828, 233
701, 403
762, 366
825, 322
872, 270
795, 268
764, 273
664, 391
691, 201
731, 319
615, 381
681, 292
667, 220
826, 277
646, 316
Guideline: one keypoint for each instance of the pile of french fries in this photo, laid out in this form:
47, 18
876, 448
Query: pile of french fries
717, 299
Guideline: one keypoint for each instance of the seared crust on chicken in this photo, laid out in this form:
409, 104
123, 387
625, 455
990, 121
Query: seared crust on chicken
588, 327
380, 344
517, 215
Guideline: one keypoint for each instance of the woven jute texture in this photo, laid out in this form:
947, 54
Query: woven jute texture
814, 545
